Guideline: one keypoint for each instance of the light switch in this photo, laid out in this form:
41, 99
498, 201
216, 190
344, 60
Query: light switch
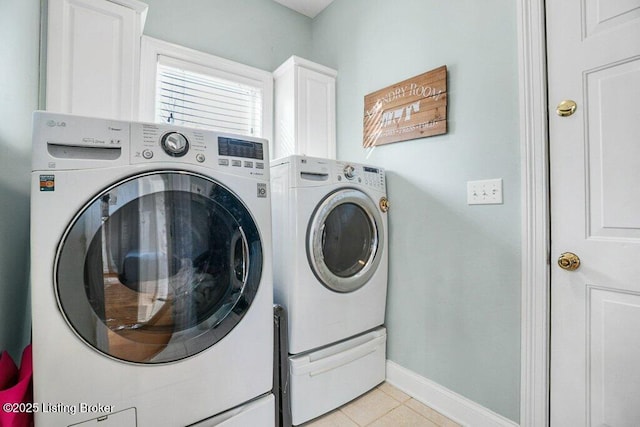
484, 192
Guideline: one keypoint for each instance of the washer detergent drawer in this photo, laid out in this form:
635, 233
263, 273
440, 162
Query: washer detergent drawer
325, 379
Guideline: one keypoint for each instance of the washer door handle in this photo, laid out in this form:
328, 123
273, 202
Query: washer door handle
241, 269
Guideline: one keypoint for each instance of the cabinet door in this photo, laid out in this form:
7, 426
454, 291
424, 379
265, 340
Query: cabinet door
92, 58
316, 133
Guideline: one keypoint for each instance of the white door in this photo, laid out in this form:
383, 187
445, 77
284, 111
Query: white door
594, 60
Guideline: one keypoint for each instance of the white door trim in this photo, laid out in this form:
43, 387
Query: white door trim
534, 383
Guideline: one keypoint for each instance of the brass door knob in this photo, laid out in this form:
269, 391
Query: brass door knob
569, 261
566, 108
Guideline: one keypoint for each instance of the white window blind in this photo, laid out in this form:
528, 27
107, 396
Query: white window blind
190, 88
207, 99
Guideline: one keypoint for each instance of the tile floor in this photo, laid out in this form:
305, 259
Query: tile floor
384, 406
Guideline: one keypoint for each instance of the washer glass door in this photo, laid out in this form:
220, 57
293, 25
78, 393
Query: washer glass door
158, 267
344, 240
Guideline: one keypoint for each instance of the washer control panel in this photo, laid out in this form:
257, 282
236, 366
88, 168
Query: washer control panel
65, 141
157, 142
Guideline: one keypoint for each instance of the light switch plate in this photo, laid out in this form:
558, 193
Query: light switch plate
484, 192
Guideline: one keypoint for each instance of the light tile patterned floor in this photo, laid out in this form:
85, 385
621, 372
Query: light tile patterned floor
384, 406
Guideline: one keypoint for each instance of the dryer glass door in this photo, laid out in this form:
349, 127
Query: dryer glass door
344, 240
158, 267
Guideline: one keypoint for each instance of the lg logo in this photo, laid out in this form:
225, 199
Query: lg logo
53, 123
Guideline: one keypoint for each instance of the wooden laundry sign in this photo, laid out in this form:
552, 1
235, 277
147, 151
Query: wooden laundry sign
414, 108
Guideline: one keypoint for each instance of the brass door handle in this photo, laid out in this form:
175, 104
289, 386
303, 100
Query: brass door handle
569, 261
566, 108
384, 204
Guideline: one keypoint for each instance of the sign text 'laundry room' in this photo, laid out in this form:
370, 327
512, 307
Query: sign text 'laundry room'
414, 108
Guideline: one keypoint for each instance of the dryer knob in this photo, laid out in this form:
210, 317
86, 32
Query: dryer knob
349, 172
175, 144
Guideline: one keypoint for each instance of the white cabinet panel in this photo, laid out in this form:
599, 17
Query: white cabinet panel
93, 50
305, 109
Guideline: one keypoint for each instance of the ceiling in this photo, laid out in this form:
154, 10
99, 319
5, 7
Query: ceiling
309, 8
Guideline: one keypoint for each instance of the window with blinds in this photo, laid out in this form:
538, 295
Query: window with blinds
207, 100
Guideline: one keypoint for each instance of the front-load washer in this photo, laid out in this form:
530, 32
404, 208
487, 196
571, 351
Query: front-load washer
151, 275
330, 231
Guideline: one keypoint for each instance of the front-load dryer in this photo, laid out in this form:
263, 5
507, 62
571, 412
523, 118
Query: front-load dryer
330, 274
151, 275
330, 231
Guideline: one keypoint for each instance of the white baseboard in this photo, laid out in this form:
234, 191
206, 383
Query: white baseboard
448, 403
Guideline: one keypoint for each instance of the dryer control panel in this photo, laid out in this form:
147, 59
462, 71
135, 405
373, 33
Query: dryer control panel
360, 174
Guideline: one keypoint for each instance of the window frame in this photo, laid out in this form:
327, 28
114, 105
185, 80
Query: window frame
152, 49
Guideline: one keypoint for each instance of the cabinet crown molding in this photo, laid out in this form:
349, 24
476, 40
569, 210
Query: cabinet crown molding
296, 60
138, 6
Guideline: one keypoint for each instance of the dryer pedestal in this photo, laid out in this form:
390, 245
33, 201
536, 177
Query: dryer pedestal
324, 379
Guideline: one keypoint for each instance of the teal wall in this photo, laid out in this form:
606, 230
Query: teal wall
260, 33
453, 311
20, 32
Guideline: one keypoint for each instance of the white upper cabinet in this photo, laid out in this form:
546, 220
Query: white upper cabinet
93, 56
305, 109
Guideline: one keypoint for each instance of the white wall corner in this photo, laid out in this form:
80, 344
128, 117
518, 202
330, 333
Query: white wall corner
450, 404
